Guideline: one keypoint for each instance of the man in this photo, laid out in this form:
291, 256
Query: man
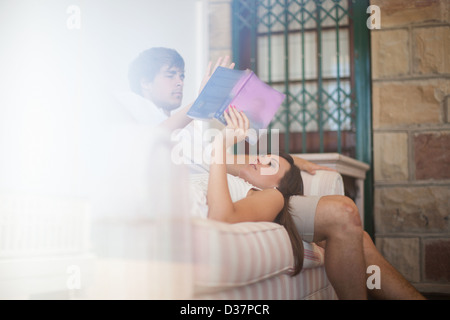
156, 79
157, 75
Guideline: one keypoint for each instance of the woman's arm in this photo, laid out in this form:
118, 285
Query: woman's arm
219, 200
258, 205
218, 196
262, 205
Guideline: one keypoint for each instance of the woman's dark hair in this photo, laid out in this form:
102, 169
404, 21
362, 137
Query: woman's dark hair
149, 63
291, 185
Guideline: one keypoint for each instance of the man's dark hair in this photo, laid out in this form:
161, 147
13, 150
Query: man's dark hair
149, 62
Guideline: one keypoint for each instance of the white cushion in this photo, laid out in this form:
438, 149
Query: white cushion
323, 183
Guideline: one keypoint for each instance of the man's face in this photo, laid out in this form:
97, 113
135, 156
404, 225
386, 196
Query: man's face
166, 89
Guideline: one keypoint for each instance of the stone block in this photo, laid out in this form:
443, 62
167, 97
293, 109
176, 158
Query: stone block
418, 209
437, 260
220, 25
403, 254
390, 53
390, 156
407, 12
219, 53
432, 155
447, 109
431, 50
408, 103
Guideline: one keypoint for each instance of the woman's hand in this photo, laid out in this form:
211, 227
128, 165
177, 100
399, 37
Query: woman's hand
235, 131
237, 126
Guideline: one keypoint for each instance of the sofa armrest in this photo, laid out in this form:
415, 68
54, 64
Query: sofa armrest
323, 183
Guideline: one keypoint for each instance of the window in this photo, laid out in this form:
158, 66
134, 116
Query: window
318, 53
304, 48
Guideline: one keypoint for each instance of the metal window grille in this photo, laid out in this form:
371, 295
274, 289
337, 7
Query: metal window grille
303, 48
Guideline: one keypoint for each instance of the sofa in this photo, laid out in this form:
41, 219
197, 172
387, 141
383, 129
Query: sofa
252, 260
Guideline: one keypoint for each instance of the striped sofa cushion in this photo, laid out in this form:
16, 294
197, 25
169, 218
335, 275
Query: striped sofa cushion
229, 255
310, 284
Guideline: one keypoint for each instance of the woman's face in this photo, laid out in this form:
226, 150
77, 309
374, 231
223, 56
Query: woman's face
265, 171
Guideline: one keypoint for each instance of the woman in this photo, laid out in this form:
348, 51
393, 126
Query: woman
258, 190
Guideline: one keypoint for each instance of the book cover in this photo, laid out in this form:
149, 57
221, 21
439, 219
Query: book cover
241, 88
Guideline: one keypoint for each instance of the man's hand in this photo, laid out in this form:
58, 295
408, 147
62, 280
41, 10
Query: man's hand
221, 62
308, 166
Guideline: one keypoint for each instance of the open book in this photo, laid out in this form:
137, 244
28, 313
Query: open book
241, 88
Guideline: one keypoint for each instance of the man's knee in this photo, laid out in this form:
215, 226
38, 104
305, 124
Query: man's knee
348, 210
339, 214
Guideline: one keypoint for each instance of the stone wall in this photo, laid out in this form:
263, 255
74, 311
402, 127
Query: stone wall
411, 151
411, 125
220, 32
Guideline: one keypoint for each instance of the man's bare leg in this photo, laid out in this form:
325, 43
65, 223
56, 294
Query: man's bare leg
393, 285
337, 222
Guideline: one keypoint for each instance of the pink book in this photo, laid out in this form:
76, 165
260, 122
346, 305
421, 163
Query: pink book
241, 88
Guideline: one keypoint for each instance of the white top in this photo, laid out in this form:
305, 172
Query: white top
198, 187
